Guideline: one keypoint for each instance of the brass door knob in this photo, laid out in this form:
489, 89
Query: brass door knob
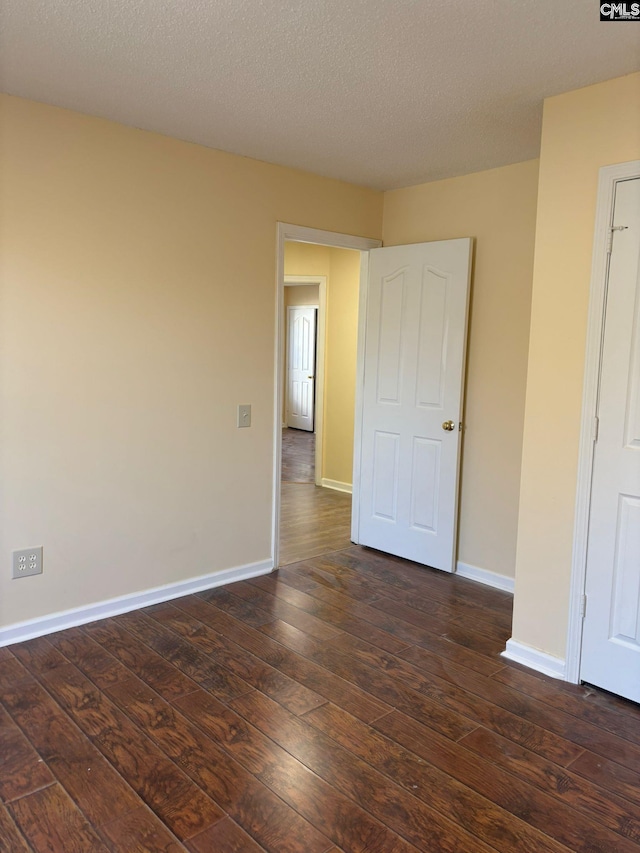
311, 377
449, 426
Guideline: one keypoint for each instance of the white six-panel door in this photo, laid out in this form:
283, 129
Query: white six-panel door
611, 636
414, 357
301, 354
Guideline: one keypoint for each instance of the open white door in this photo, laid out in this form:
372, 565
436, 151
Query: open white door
413, 366
301, 355
611, 635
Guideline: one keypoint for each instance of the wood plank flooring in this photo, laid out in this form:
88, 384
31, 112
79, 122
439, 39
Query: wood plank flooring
298, 456
351, 702
313, 521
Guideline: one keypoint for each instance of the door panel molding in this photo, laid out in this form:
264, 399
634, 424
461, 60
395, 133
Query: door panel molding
609, 176
306, 324
414, 309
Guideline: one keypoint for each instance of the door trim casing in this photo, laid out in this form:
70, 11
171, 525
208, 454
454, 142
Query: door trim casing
609, 176
298, 234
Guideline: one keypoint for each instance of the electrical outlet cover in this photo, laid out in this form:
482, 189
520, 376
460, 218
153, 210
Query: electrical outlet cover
27, 562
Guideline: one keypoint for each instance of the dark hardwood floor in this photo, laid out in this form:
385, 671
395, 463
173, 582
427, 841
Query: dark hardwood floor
313, 520
298, 456
350, 702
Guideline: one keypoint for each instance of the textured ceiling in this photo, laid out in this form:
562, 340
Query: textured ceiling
384, 93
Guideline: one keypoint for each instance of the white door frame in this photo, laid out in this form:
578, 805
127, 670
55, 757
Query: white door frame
321, 331
609, 176
302, 234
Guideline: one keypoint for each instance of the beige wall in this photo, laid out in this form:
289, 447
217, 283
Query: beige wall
582, 131
306, 259
498, 209
340, 370
138, 288
342, 269
301, 294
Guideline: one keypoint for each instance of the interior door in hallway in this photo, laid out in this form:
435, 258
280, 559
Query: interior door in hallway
301, 356
412, 395
611, 634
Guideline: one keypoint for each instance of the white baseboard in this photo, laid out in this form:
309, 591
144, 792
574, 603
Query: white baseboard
21, 631
535, 659
337, 486
484, 576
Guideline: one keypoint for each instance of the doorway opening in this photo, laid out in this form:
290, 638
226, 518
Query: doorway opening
392, 402
313, 471
300, 292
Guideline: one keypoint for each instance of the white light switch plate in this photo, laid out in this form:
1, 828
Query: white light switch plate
244, 416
